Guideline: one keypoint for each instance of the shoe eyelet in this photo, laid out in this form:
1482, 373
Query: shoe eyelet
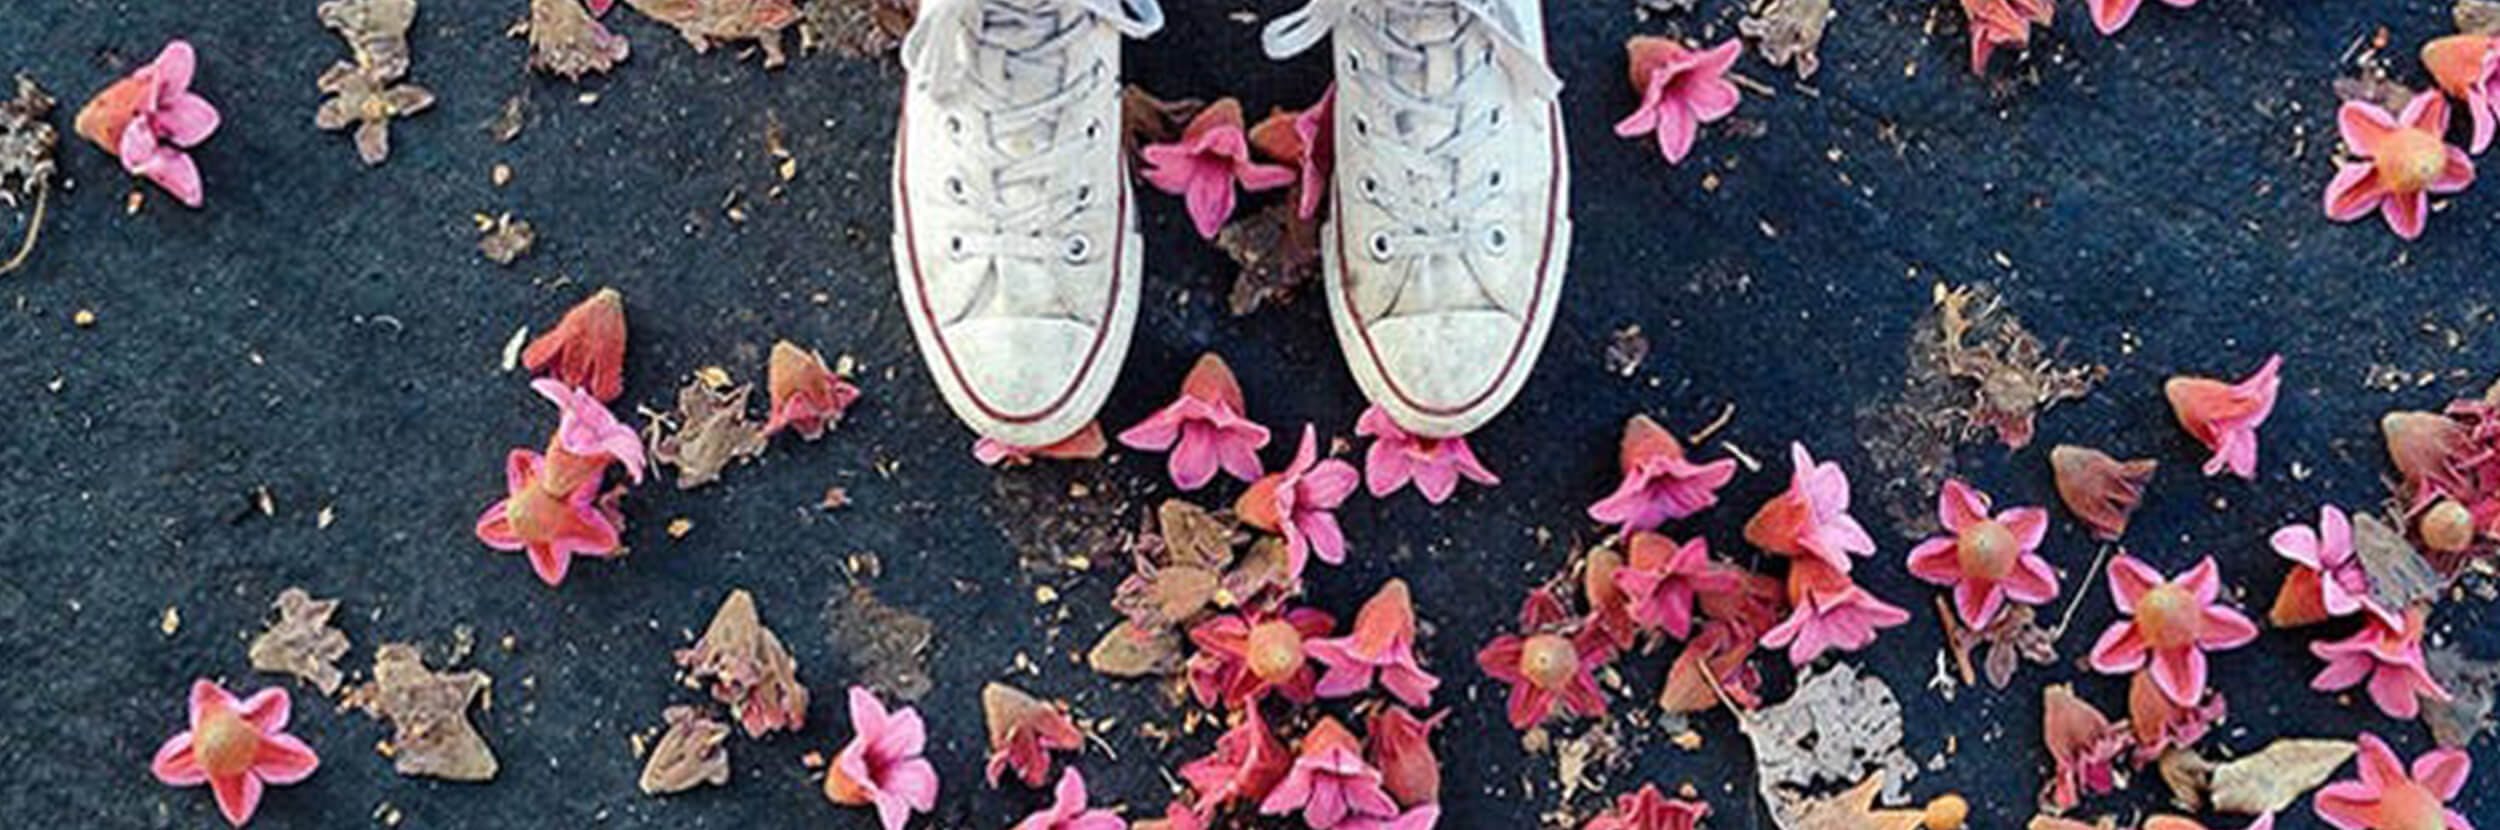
1493, 181
1093, 129
955, 188
1078, 249
955, 247
1379, 246
1362, 126
1496, 240
1084, 195
1353, 60
1493, 117
1371, 186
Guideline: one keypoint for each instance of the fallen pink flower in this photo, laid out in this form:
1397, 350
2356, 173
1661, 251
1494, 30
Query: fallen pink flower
1681, 89
807, 395
586, 348
1828, 611
2084, 747
1086, 445
237, 748
1204, 429
881, 766
2333, 570
1068, 809
2112, 15
1306, 139
1381, 645
1212, 156
1659, 483
2161, 725
588, 437
2005, 24
1242, 657
1811, 519
2386, 657
1664, 577
1330, 782
1549, 671
1300, 504
1986, 560
1400, 744
2388, 796
2465, 65
2171, 624
552, 520
2397, 162
149, 117
1246, 764
1397, 457
2225, 416
1649, 809
1420, 818
1024, 731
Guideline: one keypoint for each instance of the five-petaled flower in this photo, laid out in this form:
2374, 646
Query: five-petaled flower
1381, 645
587, 346
1433, 464
149, 117
1996, 24
2328, 580
882, 765
1811, 519
1242, 657
2388, 796
236, 747
2225, 416
807, 396
1828, 610
1247, 762
1330, 782
2397, 162
1550, 667
2112, 15
1986, 559
1300, 504
2386, 657
1204, 429
1068, 809
588, 437
549, 517
1663, 578
1650, 809
1659, 482
1681, 89
1212, 155
1306, 139
2465, 65
2172, 624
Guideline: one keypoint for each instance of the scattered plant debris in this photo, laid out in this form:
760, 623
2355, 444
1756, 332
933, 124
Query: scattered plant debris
1146, 119
748, 669
428, 710
1788, 32
709, 431
2011, 638
301, 642
887, 646
2012, 380
1851, 809
26, 166
565, 40
694, 751
1024, 730
501, 239
1840, 726
2471, 684
1626, 349
363, 97
1180, 567
2399, 576
708, 23
1278, 253
2269, 781
854, 28
2101, 491
376, 30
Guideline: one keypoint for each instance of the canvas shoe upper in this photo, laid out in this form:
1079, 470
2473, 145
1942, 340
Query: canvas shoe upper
1014, 237
1448, 226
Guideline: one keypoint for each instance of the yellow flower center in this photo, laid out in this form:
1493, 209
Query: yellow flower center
1549, 661
2410, 160
1275, 651
1987, 550
224, 744
2447, 527
2169, 617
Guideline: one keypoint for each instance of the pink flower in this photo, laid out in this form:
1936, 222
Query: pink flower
149, 117
2389, 659
1659, 483
1068, 810
1242, 657
235, 747
1086, 445
1306, 139
2083, 748
2112, 15
1212, 155
1548, 669
1433, 464
807, 396
882, 764
1985, 559
2003, 23
1829, 611
1420, 818
587, 346
587, 430
1204, 429
2465, 66
1400, 744
2326, 553
1245, 766
1681, 89
1663, 577
553, 520
1650, 809
2172, 623
1330, 782
1300, 504
1382, 644
2389, 797
2161, 725
1024, 730
1812, 518
2396, 163
2225, 416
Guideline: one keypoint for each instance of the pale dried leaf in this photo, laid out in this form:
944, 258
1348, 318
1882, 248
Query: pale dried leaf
428, 711
2189, 776
26, 141
694, 751
1129, 652
2399, 576
708, 23
1789, 32
301, 642
377, 30
565, 40
2471, 684
1851, 809
709, 432
2269, 781
748, 668
2477, 17
1840, 727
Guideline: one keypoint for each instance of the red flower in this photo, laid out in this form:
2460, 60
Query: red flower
1828, 611
1383, 645
1650, 809
587, 348
1330, 783
806, 396
236, 747
1548, 668
1024, 731
1306, 139
1242, 657
1086, 444
1659, 483
2083, 745
1664, 577
1400, 744
1246, 764
2171, 624
2225, 416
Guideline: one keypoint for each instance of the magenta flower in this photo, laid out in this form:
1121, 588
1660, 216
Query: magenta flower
552, 520
1998, 24
2465, 66
237, 748
1242, 657
1420, 818
1829, 611
1397, 457
1650, 809
2397, 162
148, 118
1068, 810
1211, 157
2387, 796
881, 765
1985, 559
1300, 504
1550, 669
1659, 483
2112, 15
1247, 762
1306, 139
1204, 429
1812, 518
1330, 782
1681, 90
2326, 552
2171, 625
2389, 659
585, 428
2225, 416
1382, 645
1663, 577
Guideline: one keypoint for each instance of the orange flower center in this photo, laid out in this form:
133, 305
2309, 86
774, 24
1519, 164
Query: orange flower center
2405, 805
1275, 651
1549, 661
1987, 550
2410, 159
2169, 617
224, 744
2447, 527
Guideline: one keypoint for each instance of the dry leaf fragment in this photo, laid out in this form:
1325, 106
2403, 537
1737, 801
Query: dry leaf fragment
565, 40
2013, 377
363, 97
2014, 636
748, 668
377, 31
503, 239
2399, 576
2269, 781
2189, 776
1840, 726
856, 28
1626, 349
1146, 119
428, 711
301, 642
709, 432
1278, 252
2101, 491
1787, 32
708, 23
1128, 652
1179, 568
694, 751
886, 645
26, 165
2477, 17
1852, 809
2471, 685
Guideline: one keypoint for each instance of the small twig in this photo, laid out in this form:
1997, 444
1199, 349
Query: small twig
1726, 414
2067, 618
1744, 719
34, 228
1953, 642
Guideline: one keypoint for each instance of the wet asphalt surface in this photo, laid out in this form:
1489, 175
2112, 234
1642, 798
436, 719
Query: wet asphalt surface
329, 333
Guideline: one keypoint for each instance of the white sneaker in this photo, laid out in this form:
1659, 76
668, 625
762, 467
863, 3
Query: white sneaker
1449, 222
1014, 238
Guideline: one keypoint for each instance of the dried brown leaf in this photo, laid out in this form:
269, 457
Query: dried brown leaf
503, 239
1129, 652
1264, 571
1146, 119
1851, 809
856, 28
1626, 349
2011, 376
2399, 576
2269, 781
694, 751
301, 642
2101, 491
565, 40
2189, 776
709, 432
2471, 685
1179, 567
2477, 17
748, 668
362, 97
1789, 32
887, 646
1277, 251
377, 30
2013, 637
26, 141
428, 711
708, 23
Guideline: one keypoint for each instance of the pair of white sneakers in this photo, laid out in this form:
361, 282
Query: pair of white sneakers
1015, 233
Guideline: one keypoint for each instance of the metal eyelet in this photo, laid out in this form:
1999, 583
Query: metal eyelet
1093, 129
1493, 181
1078, 249
1084, 195
1353, 60
1362, 126
1379, 246
954, 125
955, 247
955, 187
1371, 186
1493, 117
1496, 240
